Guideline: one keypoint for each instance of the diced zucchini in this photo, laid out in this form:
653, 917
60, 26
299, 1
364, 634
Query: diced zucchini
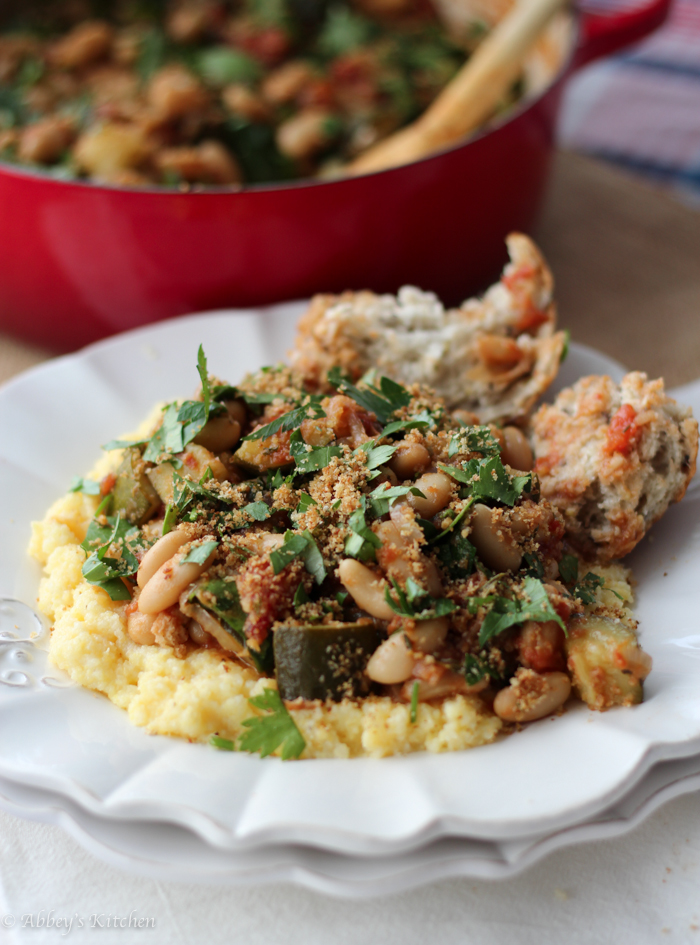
133, 494
257, 456
161, 478
324, 662
221, 598
195, 461
606, 662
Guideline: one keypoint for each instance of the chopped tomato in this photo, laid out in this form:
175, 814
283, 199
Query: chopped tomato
623, 432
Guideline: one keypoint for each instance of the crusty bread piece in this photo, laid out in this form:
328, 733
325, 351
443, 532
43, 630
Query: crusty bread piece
492, 356
612, 458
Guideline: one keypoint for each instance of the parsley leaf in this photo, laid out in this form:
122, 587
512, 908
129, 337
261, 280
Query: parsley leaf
382, 498
504, 612
307, 460
421, 420
288, 421
568, 569
414, 702
383, 401
169, 519
200, 553
457, 556
106, 570
268, 733
474, 669
258, 511
223, 744
376, 455
305, 502
299, 545
535, 567
404, 601
586, 588
86, 486
204, 377
488, 479
474, 440
300, 596
444, 532
361, 544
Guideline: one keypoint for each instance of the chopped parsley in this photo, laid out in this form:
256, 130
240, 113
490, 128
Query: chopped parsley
382, 498
200, 552
474, 440
403, 603
568, 569
292, 420
488, 479
376, 455
110, 549
308, 460
86, 486
181, 422
474, 669
504, 612
299, 545
305, 502
414, 702
420, 421
269, 732
300, 596
585, 589
361, 543
382, 401
457, 556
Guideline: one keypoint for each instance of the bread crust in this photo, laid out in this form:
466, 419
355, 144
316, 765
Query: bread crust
492, 356
612, 458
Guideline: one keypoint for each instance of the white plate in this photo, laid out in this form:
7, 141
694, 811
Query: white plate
167, 852
65, 739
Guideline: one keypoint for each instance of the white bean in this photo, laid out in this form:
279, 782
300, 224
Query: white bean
495, 545
162, 551
409, 459
365, 588
447, 684
428, 635
219, 434
516, 451
531, 696
166, 585
394, 561
392, 662
437, 489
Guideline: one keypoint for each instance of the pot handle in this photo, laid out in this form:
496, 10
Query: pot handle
604, 33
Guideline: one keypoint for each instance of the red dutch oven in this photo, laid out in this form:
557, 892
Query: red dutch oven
80, 261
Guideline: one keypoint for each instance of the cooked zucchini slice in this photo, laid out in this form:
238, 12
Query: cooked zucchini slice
324, 662
133, 494
606, 662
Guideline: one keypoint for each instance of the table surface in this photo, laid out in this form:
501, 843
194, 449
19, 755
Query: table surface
626, 260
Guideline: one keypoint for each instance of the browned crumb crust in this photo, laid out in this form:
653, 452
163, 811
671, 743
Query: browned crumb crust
612, 458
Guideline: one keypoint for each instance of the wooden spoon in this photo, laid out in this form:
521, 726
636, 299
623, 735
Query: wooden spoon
472, 94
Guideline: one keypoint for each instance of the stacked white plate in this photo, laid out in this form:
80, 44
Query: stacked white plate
170, 809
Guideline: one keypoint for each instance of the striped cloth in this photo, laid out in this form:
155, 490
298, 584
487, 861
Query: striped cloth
641, 109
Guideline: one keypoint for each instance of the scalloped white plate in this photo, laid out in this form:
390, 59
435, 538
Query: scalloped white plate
167, 852
61, 738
